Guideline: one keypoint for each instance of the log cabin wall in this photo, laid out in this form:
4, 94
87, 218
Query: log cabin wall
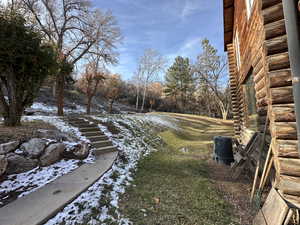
281, 102
233, 89
263, 47
250, 32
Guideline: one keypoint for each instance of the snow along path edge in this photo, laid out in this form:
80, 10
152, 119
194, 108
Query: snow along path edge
99, 204
24, 183
56, 195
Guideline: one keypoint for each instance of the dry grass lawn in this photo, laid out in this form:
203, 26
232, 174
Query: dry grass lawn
179, 185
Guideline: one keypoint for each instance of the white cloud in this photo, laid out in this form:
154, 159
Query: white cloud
189, 8
3, 2
190, 45
190, 48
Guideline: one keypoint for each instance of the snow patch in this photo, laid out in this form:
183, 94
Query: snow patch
24, 183
161, 120
59, 124
38, 106
100, 203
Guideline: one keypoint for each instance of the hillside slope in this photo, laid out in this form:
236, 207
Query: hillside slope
75, 102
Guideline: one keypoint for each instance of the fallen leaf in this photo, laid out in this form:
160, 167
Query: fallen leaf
156, 200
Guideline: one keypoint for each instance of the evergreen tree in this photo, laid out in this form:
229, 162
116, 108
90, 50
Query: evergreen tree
180, 81
25, 62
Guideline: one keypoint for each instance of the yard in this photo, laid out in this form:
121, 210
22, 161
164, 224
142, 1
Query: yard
163, 175
179, 185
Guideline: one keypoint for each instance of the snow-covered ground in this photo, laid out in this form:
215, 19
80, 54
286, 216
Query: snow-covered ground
160, 120
99, 204
19, 185
135, 139
59, 124
41, 107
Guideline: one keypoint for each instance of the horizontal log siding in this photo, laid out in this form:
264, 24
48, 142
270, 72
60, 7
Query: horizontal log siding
263, 46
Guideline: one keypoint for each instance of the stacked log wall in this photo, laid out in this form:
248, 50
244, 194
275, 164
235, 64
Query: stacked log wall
251, 37
264, 48
281, 103
233, 87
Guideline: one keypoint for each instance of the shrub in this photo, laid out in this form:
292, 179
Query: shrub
25, 62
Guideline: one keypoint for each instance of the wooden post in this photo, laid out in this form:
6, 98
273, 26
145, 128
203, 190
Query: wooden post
259, 158
288, 218
264, 174
267, 174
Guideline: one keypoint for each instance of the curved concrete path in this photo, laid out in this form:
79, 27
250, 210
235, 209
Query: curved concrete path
43, 204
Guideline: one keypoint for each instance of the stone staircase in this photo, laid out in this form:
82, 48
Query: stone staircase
48, 200
92, 132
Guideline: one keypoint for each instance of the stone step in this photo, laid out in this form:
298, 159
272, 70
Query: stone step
92, 133
75, 120
79, 122
89, 129
98, 138
75, 124
31, 210
100, 144
86, 125
103, 150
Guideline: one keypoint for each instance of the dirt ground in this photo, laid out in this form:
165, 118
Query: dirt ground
25, 131
185, 163
236, 192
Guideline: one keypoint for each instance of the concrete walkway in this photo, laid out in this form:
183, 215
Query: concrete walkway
41, 205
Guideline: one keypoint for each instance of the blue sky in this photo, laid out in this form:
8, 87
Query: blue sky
172, 27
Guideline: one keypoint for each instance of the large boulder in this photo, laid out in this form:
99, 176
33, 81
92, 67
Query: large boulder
34, 148
19, 164
3, 164
52, 154
79, 151
8, 147
54, 134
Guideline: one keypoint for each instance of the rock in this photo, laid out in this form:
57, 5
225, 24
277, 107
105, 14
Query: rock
79, 151
8, 147
19, 164
34, 147
29, 112
52, 154
54, 134
3, 164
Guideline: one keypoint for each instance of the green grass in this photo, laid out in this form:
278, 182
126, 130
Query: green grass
172, 187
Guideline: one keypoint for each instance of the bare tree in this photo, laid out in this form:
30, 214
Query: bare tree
137, 82
111, 89
211, 68
150, 65
155, 93
76, 29
90, 81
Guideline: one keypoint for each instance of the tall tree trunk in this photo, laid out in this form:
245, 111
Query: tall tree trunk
12, 119
182, 102
144, 97
54, 90
14, 111
223, 109
12, 116
60, 86
88, 106
137, 99
110, 106
176, 102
